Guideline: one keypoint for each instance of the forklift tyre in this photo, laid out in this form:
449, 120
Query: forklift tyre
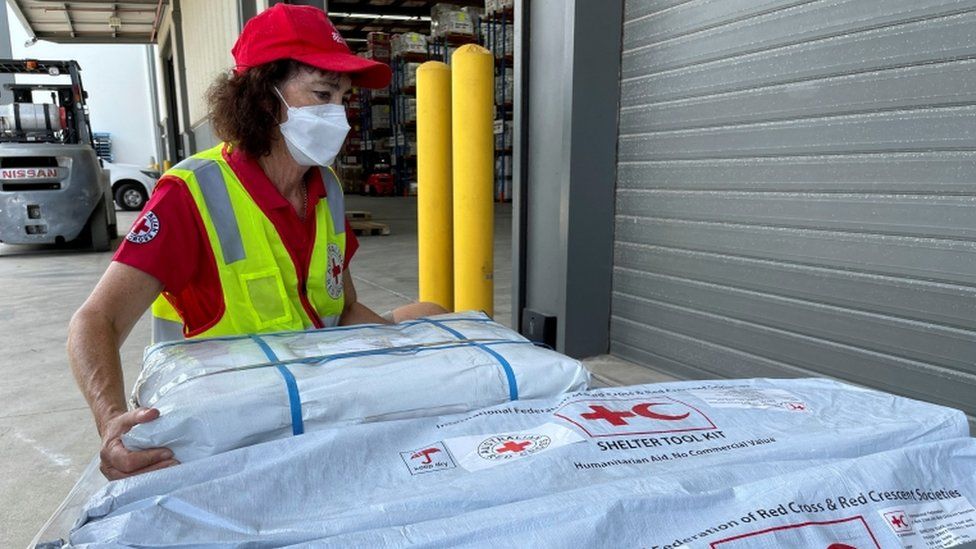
97, 232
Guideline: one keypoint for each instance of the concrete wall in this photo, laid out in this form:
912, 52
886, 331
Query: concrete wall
118, 91
5, 52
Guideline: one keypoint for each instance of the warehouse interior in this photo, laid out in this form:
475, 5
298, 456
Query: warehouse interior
682, 190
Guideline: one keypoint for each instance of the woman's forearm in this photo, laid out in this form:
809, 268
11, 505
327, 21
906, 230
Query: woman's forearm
93, 352
357, 313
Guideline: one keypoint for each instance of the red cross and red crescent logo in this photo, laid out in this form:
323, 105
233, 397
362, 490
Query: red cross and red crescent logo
614, 417
898, 521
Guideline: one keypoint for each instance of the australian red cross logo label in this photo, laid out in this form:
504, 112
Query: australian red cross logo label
333, 274
504, 447
848, 533
611, 417
145, 229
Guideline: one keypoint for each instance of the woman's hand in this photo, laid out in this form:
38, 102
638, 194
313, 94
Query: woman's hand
96, 332
120, 462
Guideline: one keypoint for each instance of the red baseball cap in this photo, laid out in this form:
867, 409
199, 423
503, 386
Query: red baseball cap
305, 34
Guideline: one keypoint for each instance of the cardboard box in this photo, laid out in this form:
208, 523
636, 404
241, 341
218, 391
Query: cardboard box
503, 135
408, 43
410, 74
380, 115
378, 39
449, 20
505, 87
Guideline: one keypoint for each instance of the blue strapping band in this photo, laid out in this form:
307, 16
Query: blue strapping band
294, 400
444, 327
512, 386
509, 373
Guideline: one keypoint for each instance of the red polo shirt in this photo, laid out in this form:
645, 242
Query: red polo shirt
169, 241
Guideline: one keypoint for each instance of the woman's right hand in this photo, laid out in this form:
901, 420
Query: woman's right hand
120, 462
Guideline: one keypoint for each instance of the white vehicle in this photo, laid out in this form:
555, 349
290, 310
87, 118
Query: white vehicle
131, 185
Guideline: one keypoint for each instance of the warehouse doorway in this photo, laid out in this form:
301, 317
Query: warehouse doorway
171, 125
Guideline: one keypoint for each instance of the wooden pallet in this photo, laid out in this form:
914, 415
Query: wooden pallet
369, 228
359, 215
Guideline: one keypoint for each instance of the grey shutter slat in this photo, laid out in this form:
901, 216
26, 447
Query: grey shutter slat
796, 192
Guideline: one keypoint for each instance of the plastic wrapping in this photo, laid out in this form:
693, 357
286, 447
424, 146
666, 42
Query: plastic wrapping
534, 466
219, 394
920, 497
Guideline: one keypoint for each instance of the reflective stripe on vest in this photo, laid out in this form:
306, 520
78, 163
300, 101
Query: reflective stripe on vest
214, 192
260, 292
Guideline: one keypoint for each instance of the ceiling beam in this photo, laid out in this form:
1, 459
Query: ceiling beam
392, 9
94, 38
67, 16
359, 23
133, 2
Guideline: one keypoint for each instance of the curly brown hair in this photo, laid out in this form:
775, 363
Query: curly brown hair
244, 108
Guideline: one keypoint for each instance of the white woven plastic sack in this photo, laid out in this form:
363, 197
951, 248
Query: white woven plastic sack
219, 394
686, 437
920, 497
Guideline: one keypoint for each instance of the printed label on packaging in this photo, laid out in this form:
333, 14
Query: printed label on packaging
612, 417
482, 451
433, 457
848, 533
932, 525
747, 397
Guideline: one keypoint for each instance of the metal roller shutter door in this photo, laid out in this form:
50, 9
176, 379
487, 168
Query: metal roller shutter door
796, 192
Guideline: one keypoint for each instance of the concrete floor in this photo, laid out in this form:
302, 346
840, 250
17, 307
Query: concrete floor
47, 437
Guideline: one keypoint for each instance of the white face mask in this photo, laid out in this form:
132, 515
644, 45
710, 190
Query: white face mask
314, 134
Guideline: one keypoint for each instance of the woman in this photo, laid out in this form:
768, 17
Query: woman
247, 237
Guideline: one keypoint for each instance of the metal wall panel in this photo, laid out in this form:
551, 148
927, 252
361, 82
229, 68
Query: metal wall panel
209, 29
563, 215
796, 192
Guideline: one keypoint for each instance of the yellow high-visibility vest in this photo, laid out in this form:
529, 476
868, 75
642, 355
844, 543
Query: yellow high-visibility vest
260, 283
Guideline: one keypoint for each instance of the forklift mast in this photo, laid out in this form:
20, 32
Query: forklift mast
70, 98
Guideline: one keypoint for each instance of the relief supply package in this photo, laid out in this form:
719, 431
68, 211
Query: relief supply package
219, 394
920, 497
687, 440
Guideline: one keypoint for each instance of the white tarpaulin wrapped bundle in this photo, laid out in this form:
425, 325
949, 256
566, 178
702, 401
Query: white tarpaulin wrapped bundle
687, 440
919, 497
219, 394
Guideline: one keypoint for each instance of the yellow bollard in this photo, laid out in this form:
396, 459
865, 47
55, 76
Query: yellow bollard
167, 165
434, 220
472, 78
